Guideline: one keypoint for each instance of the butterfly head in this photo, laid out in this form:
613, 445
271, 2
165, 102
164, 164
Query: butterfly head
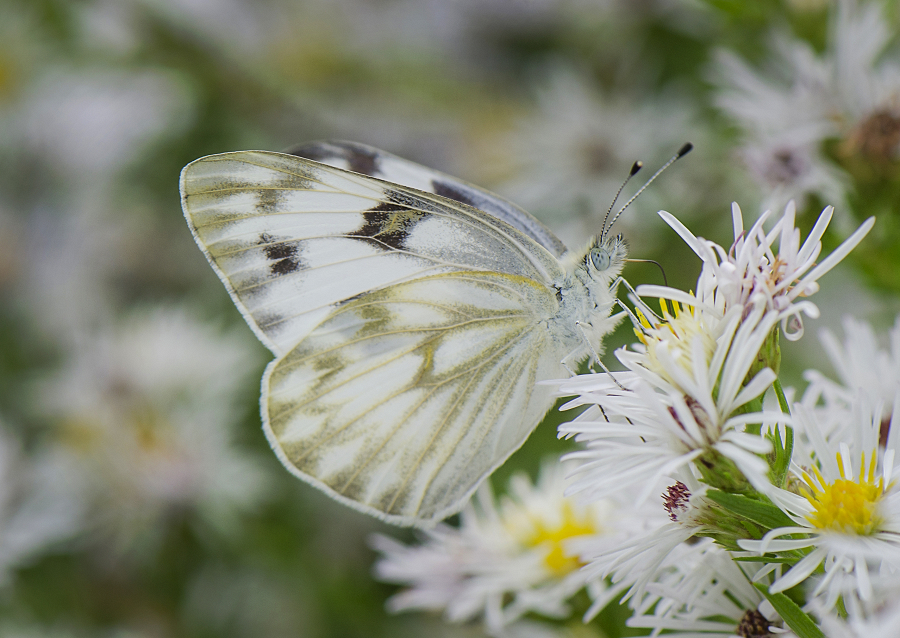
605, 257
600, 263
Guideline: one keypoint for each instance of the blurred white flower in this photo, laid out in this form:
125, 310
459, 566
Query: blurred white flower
147, 410
706, 594
91, 124
67, 265
862, 368
506, 559
75, 131
571, 155
886, 625
38, 503
238, 28
849, 93
881, 621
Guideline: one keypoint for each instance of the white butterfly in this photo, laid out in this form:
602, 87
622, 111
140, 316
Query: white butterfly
411, 317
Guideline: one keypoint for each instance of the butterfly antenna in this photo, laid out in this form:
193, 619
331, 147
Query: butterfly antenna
634, 171
651, 261
684, 150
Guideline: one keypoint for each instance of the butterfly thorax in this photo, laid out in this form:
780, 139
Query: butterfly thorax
587, 294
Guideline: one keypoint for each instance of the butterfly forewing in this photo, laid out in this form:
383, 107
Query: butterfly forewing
404, 399
366, 160
292, 239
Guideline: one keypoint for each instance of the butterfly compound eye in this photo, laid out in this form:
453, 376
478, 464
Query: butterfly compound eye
599, 258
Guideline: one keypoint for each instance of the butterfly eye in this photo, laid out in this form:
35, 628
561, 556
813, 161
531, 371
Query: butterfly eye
599, 258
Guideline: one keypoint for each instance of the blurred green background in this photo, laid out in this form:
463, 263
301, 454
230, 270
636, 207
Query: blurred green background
138, 496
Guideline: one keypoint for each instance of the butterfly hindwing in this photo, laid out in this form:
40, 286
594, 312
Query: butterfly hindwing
292, 239
402, 401
360, 158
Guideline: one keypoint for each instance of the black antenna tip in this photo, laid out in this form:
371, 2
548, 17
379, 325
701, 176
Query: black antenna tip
638, 165
685, 150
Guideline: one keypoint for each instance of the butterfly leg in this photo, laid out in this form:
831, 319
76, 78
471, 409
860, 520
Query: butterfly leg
564, 362
595, 356
647, 310
634, 319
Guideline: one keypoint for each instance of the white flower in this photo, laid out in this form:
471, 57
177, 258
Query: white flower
678, 404
705, 593
573, 153
849, 93
862, 367
633, 563
38, 508
146, 411
503, 560
783, 126
753, 269
90, 125
845, 506
884, 622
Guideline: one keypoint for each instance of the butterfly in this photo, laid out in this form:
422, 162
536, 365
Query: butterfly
411, 316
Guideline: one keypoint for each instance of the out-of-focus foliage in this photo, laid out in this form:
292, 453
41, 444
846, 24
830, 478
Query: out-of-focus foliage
138, 496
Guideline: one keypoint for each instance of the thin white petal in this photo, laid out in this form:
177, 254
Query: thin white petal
841, 251
799, 572
683, 232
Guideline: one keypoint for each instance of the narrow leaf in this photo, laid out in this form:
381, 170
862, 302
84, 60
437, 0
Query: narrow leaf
783, 449
764, 514
796, 618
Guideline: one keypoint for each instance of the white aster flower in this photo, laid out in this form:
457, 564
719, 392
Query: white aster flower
90, 125
850, 93
146, 412
845, 505
752, 268
791, 168
706, 594
881, 622
572, 153
504, 560
633, 563
38, 508
862, 368
784, 121
886, 625
678, 404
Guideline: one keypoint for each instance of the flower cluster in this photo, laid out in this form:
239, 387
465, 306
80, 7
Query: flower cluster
772, 518
144, 416
820, 117
506, 559
815, 514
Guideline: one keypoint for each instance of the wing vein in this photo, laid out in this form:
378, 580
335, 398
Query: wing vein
508, 391
443, 422
439, 332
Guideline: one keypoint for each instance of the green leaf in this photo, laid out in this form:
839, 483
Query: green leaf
798, 620
784, 560
764, 514
783, 450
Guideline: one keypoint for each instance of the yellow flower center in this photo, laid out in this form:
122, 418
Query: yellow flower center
534, 531
676, 333
848, 506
